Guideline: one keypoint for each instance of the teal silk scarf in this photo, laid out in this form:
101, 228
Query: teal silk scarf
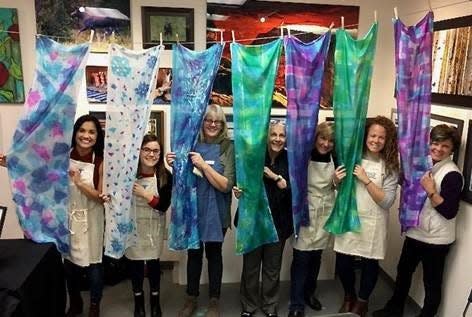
254, 68
352, 77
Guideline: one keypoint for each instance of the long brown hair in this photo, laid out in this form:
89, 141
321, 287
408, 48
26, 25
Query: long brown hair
159, 168
390, 151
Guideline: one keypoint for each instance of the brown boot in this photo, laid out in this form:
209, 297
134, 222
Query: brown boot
76, 305
94, 310
190, 306
348, 303
360, 308
213, 308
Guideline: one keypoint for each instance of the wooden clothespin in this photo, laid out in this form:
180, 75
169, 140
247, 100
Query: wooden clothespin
160, 38
375, 16
395, 12
232, 35
221, 37
281, 32
177, 37
288, 31
342, 22
429, 5
331, 26
92, 33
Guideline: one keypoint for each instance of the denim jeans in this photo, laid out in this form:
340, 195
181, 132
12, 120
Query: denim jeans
95, 276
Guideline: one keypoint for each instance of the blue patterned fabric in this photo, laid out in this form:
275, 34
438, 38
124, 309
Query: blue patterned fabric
38, 161
193, 75
131, 78
304, 70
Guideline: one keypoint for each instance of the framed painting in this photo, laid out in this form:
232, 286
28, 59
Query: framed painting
96, 83
101, 116
436, 120
156, 125
3, 215
452, 62
467, 171
162, 95
74, 19
11, 72
175, 25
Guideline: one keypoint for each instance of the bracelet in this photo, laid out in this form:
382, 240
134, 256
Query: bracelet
431, 195
278, 178
370, 181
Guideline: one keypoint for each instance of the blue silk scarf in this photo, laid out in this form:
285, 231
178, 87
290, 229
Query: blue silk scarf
131, 78
193, 75
38, 161
254, 69
304, 69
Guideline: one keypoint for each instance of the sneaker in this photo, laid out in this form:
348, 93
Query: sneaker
190, 306
213, 308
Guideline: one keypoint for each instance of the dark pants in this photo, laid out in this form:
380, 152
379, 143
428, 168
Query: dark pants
215, 268
432, 257
153, 273
303, 274
95, 275
269, 256
369, 274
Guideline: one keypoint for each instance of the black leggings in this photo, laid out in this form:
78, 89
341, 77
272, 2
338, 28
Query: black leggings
215, 268
369, 275
153, 273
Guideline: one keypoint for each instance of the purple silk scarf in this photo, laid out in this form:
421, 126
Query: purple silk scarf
304, 69
413, 60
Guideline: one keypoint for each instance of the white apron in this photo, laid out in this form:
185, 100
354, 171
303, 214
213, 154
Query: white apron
150, 226
86, 220
321, 198
371, 241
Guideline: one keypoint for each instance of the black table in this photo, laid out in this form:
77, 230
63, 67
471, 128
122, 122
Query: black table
31, 279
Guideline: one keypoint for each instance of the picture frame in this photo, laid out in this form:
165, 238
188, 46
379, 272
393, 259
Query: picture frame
3, 215
101, 116
436, 120
156, 125
96, 78
452, 71
175, 25
467, 170
162, 94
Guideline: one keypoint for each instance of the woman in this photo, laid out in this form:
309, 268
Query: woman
213, 159
429, 243
377, 178
313, 239
269, 256
152, 191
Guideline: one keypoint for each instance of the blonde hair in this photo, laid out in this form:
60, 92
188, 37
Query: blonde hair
220, 116
325, 129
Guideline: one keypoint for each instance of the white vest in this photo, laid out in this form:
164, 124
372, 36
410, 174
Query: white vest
433, 227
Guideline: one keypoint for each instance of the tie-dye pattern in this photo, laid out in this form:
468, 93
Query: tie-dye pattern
413, 60
304, 69
193, 75
254, 69
352, 77
131, 78
38, 161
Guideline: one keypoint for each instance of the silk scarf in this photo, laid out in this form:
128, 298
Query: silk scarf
413, 61
304, 69
131, 78
38, 161
254, 69
193, 76
352, 76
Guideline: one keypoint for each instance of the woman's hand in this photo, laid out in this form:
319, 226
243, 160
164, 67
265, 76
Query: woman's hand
74, 175
269, 174
170, 158
198, 161
361, 175
339, 174
3, 160
237, 192
104, 197
140, 191
427, 181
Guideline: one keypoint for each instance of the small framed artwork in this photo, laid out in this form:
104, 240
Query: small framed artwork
467, 171
175, 25
230, 125
3, 215
101, 116
96, 77
162, 93
156, 125
452, 65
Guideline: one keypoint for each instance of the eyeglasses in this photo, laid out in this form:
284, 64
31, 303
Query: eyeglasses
217, 123
277, 121
148, 151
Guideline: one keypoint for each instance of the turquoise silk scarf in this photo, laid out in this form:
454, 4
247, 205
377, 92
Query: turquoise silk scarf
38, 161
131, 78
254, 69
193, 76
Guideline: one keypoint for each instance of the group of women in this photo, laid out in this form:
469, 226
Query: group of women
376, 187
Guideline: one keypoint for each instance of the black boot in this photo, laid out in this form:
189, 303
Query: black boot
76, 305
155, 305
139, 305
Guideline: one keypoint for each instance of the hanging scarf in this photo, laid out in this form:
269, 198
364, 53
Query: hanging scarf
254, 69
352, 77
304, 69
38, 161
193, 75
413, 60
130, 81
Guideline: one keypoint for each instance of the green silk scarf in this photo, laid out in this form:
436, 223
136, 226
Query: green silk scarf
352, 77
254, 68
